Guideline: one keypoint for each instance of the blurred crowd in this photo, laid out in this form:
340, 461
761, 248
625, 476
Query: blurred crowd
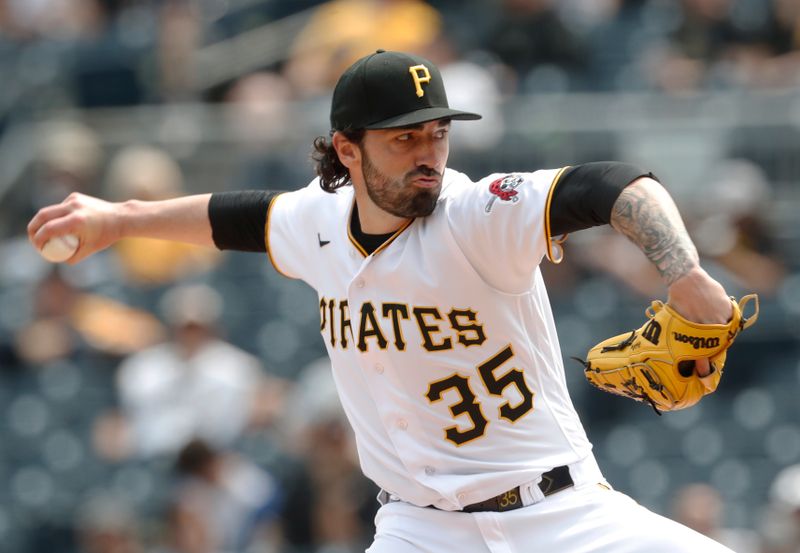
163, 398
121, 52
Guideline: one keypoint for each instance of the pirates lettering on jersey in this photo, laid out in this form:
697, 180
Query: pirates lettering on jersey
328, 314
426, 319
388, 324
395, 311
369, 328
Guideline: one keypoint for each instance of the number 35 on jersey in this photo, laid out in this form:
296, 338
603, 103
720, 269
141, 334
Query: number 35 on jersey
388, 325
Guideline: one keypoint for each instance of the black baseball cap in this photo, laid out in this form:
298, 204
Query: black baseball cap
385, 90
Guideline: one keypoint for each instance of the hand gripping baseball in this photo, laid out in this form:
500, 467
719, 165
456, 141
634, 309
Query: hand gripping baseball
95, 222
655, 363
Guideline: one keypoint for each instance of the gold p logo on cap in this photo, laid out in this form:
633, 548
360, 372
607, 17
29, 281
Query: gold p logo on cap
420, 74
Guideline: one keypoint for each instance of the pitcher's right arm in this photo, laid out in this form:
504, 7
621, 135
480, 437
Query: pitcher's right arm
98, 223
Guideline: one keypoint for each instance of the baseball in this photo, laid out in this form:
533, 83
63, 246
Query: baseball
60, 248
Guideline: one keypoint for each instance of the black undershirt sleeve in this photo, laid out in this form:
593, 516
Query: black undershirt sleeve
585, 194
238, 219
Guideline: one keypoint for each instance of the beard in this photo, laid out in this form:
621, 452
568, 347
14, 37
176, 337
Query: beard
398, 196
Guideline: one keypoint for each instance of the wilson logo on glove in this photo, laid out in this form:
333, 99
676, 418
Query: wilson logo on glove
696, 341
652, 331
638, 366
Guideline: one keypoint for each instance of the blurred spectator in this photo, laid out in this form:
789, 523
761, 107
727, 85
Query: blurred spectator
145, 173
150, 174
104, 67
107, 524
780, 527
786, 31
727, 43
65, 157
193, 386
702, 36
261, 114
610, 252
530, 35
67, 320
472, 84
69, 160
727, 221
258, 108
50, 335
777, 62
341, 31
180, 31
53, 19
343, 501
618, 33
223, 503
705, 28
700, 507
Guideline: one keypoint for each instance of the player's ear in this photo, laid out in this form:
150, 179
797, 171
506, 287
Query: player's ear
349, 152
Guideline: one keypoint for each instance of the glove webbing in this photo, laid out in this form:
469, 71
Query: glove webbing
622, 345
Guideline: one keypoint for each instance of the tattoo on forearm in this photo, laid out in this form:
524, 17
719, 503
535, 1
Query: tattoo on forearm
656, 227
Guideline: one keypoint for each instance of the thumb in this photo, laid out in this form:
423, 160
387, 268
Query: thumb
702, 367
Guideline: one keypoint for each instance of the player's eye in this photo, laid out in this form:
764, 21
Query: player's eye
441, 133
405, 137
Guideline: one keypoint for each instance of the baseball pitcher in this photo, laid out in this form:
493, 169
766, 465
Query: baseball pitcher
437, 321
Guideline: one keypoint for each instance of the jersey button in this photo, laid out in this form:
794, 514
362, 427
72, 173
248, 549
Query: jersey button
462, 497
360, 283
378, 368
430, 471
402, 424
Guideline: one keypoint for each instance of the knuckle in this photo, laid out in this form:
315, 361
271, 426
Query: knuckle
74, 200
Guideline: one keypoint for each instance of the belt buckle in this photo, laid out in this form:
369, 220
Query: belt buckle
556, 480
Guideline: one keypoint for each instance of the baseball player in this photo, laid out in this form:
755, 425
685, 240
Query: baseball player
435, 315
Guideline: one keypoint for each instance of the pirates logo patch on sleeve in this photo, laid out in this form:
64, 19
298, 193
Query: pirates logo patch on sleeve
505, 190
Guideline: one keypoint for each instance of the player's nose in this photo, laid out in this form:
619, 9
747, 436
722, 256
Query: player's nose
428, 154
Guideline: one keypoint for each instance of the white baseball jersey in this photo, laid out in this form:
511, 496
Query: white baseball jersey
442, 341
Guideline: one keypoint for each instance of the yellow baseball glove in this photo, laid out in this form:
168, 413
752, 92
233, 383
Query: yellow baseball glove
655, 364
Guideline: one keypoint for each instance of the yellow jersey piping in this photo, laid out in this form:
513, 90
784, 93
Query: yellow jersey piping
380, 248
266, 237
392, 238
547, 216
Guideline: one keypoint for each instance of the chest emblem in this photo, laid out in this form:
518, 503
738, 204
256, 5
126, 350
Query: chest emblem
505, 190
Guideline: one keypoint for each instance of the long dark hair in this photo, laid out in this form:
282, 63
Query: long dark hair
332, 174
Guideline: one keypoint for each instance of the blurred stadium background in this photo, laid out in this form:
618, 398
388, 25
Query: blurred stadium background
151, 99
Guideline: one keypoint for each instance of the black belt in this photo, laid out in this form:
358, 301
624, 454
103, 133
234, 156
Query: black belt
552, 481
